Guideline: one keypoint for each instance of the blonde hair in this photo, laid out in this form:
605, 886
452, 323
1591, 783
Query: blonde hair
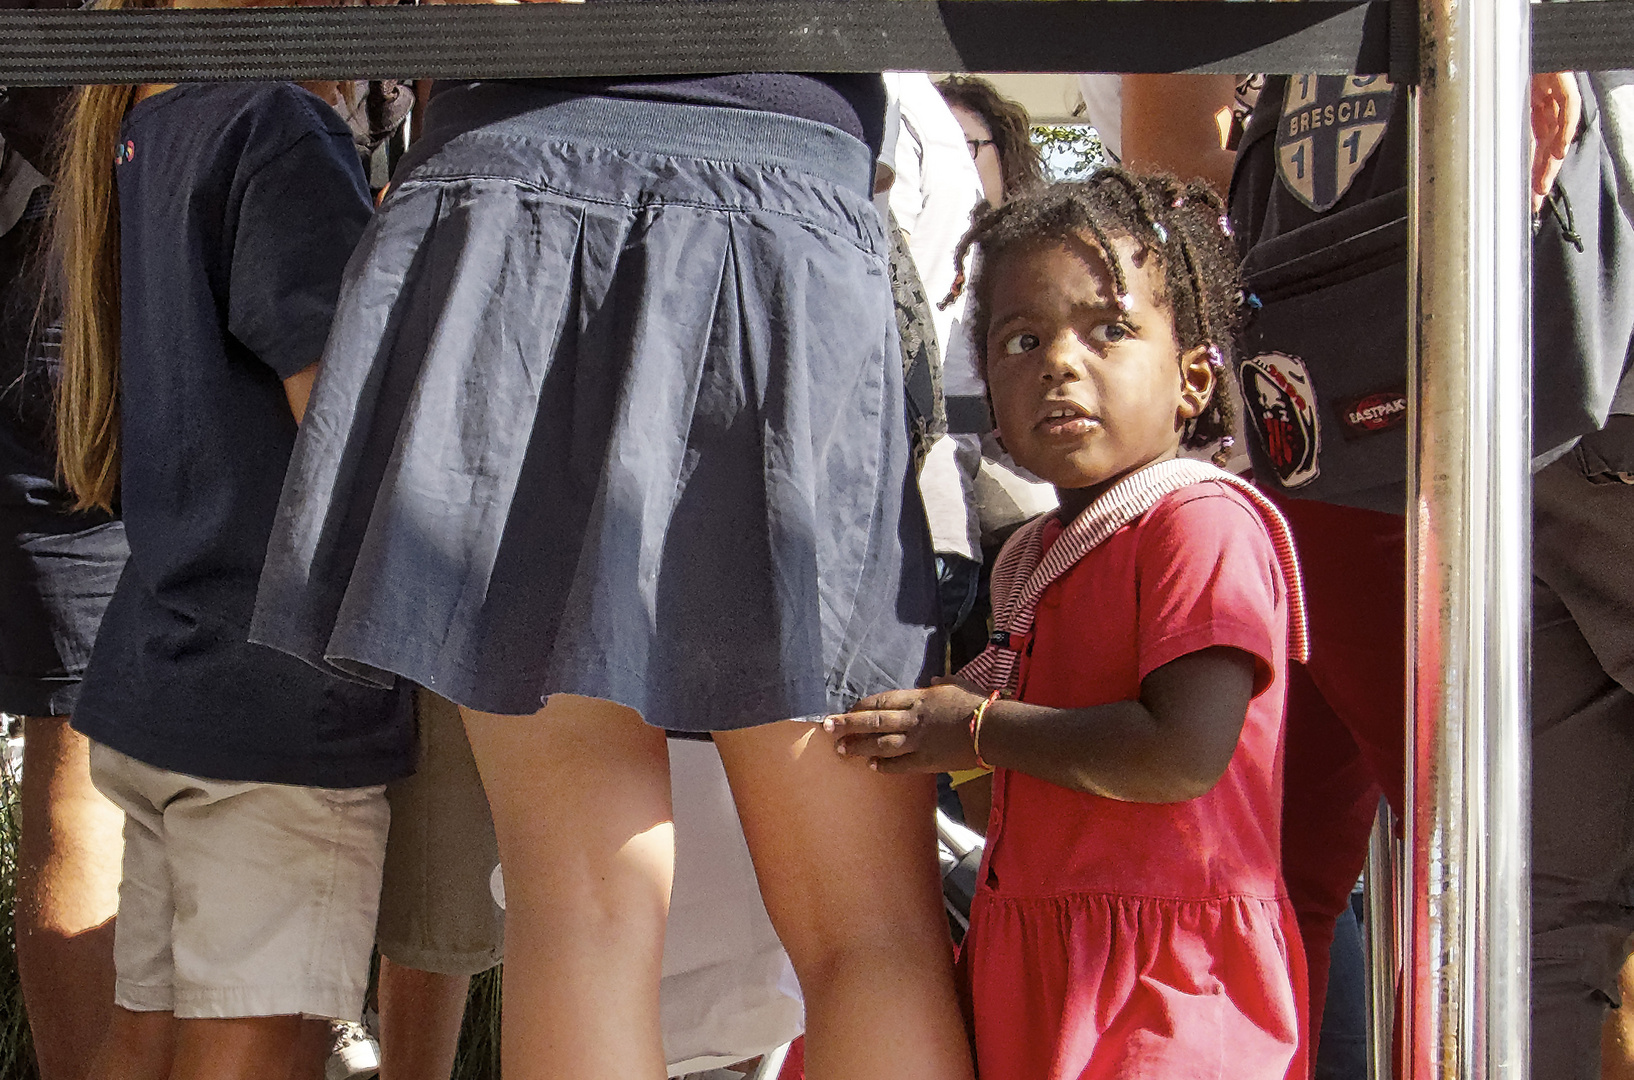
85, 242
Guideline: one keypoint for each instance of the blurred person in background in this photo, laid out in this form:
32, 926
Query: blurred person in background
998, 133
58, 569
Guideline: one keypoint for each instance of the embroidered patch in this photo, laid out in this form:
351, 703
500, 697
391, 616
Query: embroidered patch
1372, 413
1282, 405
1330, 126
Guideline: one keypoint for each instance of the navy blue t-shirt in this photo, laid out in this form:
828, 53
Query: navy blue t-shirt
239, 206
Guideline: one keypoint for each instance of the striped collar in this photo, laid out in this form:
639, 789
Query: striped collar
1024, 570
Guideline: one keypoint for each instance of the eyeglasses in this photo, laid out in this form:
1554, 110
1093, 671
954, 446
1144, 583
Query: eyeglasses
976, 146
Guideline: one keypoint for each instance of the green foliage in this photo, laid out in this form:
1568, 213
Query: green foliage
1070, 151
16, 1048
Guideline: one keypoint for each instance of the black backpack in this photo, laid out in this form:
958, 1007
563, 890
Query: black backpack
1319, 206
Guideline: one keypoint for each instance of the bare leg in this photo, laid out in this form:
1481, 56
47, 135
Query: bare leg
67, 893
249, 1048
420, 1017
976, 796
311, 1051
580, 797
847, 866
138, 1045
157, 1046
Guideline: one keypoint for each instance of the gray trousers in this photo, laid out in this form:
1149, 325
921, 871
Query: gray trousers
1582, 756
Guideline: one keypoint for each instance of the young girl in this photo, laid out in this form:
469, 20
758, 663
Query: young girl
203, 231
1131, 919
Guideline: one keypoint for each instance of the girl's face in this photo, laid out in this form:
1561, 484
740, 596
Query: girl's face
983, 151
1086, 393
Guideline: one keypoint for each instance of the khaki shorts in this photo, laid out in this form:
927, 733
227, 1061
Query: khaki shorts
242, 899
437, 912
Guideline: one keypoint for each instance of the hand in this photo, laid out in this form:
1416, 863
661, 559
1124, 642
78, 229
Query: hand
903, 731
1557, 112
961, 682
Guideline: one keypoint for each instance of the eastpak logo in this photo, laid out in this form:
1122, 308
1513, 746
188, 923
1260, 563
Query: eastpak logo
1372, 413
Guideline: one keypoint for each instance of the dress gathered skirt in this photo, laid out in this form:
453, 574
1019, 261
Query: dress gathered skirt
612, 406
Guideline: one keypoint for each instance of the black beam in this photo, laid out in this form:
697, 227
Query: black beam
649, 37
652, 37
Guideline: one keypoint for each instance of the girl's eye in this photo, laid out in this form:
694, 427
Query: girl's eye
1017, 344
1109, 333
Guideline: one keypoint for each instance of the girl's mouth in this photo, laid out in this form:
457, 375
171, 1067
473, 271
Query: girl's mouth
1067, 420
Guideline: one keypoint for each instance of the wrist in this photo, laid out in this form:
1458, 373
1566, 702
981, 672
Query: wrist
977, 718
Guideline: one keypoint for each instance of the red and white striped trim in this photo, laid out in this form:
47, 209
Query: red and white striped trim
1023, 571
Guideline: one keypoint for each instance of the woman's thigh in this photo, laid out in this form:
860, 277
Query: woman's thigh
580, 782
840, 850
581, 806
847, 865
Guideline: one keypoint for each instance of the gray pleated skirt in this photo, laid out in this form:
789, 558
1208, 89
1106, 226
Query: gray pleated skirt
612, 406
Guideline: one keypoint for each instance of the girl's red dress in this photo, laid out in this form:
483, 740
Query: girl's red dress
1139, 940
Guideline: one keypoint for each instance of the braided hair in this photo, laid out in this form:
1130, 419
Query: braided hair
1183, 223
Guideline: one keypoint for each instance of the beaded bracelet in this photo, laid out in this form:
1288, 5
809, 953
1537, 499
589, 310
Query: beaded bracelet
976, 727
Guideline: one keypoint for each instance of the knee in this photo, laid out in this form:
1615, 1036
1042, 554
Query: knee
1570, 995
593, 894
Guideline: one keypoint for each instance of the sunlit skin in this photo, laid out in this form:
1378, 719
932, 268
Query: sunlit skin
1086, 391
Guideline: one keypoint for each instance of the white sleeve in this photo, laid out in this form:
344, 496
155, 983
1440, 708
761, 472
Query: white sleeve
908, 192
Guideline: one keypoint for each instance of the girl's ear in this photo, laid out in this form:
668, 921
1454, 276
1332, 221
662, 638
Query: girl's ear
1197, 378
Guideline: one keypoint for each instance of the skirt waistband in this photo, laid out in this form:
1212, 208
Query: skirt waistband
735, 136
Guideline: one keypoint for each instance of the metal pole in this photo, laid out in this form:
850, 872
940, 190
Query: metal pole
1468, 533
1382, 910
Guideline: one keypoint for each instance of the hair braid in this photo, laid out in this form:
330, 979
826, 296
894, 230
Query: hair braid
1148, 216
1104, 242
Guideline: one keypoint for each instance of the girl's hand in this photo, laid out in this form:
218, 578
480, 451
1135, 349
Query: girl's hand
910, 730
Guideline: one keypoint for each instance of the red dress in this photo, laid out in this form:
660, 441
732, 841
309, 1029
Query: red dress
1139, 940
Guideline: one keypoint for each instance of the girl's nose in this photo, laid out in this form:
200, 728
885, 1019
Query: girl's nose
1062, 362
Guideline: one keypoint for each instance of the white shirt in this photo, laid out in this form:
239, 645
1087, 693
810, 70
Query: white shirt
935, 189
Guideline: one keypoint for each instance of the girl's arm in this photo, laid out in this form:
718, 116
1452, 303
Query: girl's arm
1170, 745
1173, 744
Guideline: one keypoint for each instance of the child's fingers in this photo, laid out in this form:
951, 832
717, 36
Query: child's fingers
865, 723
874, 746
890, 699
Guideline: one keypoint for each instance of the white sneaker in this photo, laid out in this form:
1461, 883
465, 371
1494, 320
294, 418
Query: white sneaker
352, 1053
